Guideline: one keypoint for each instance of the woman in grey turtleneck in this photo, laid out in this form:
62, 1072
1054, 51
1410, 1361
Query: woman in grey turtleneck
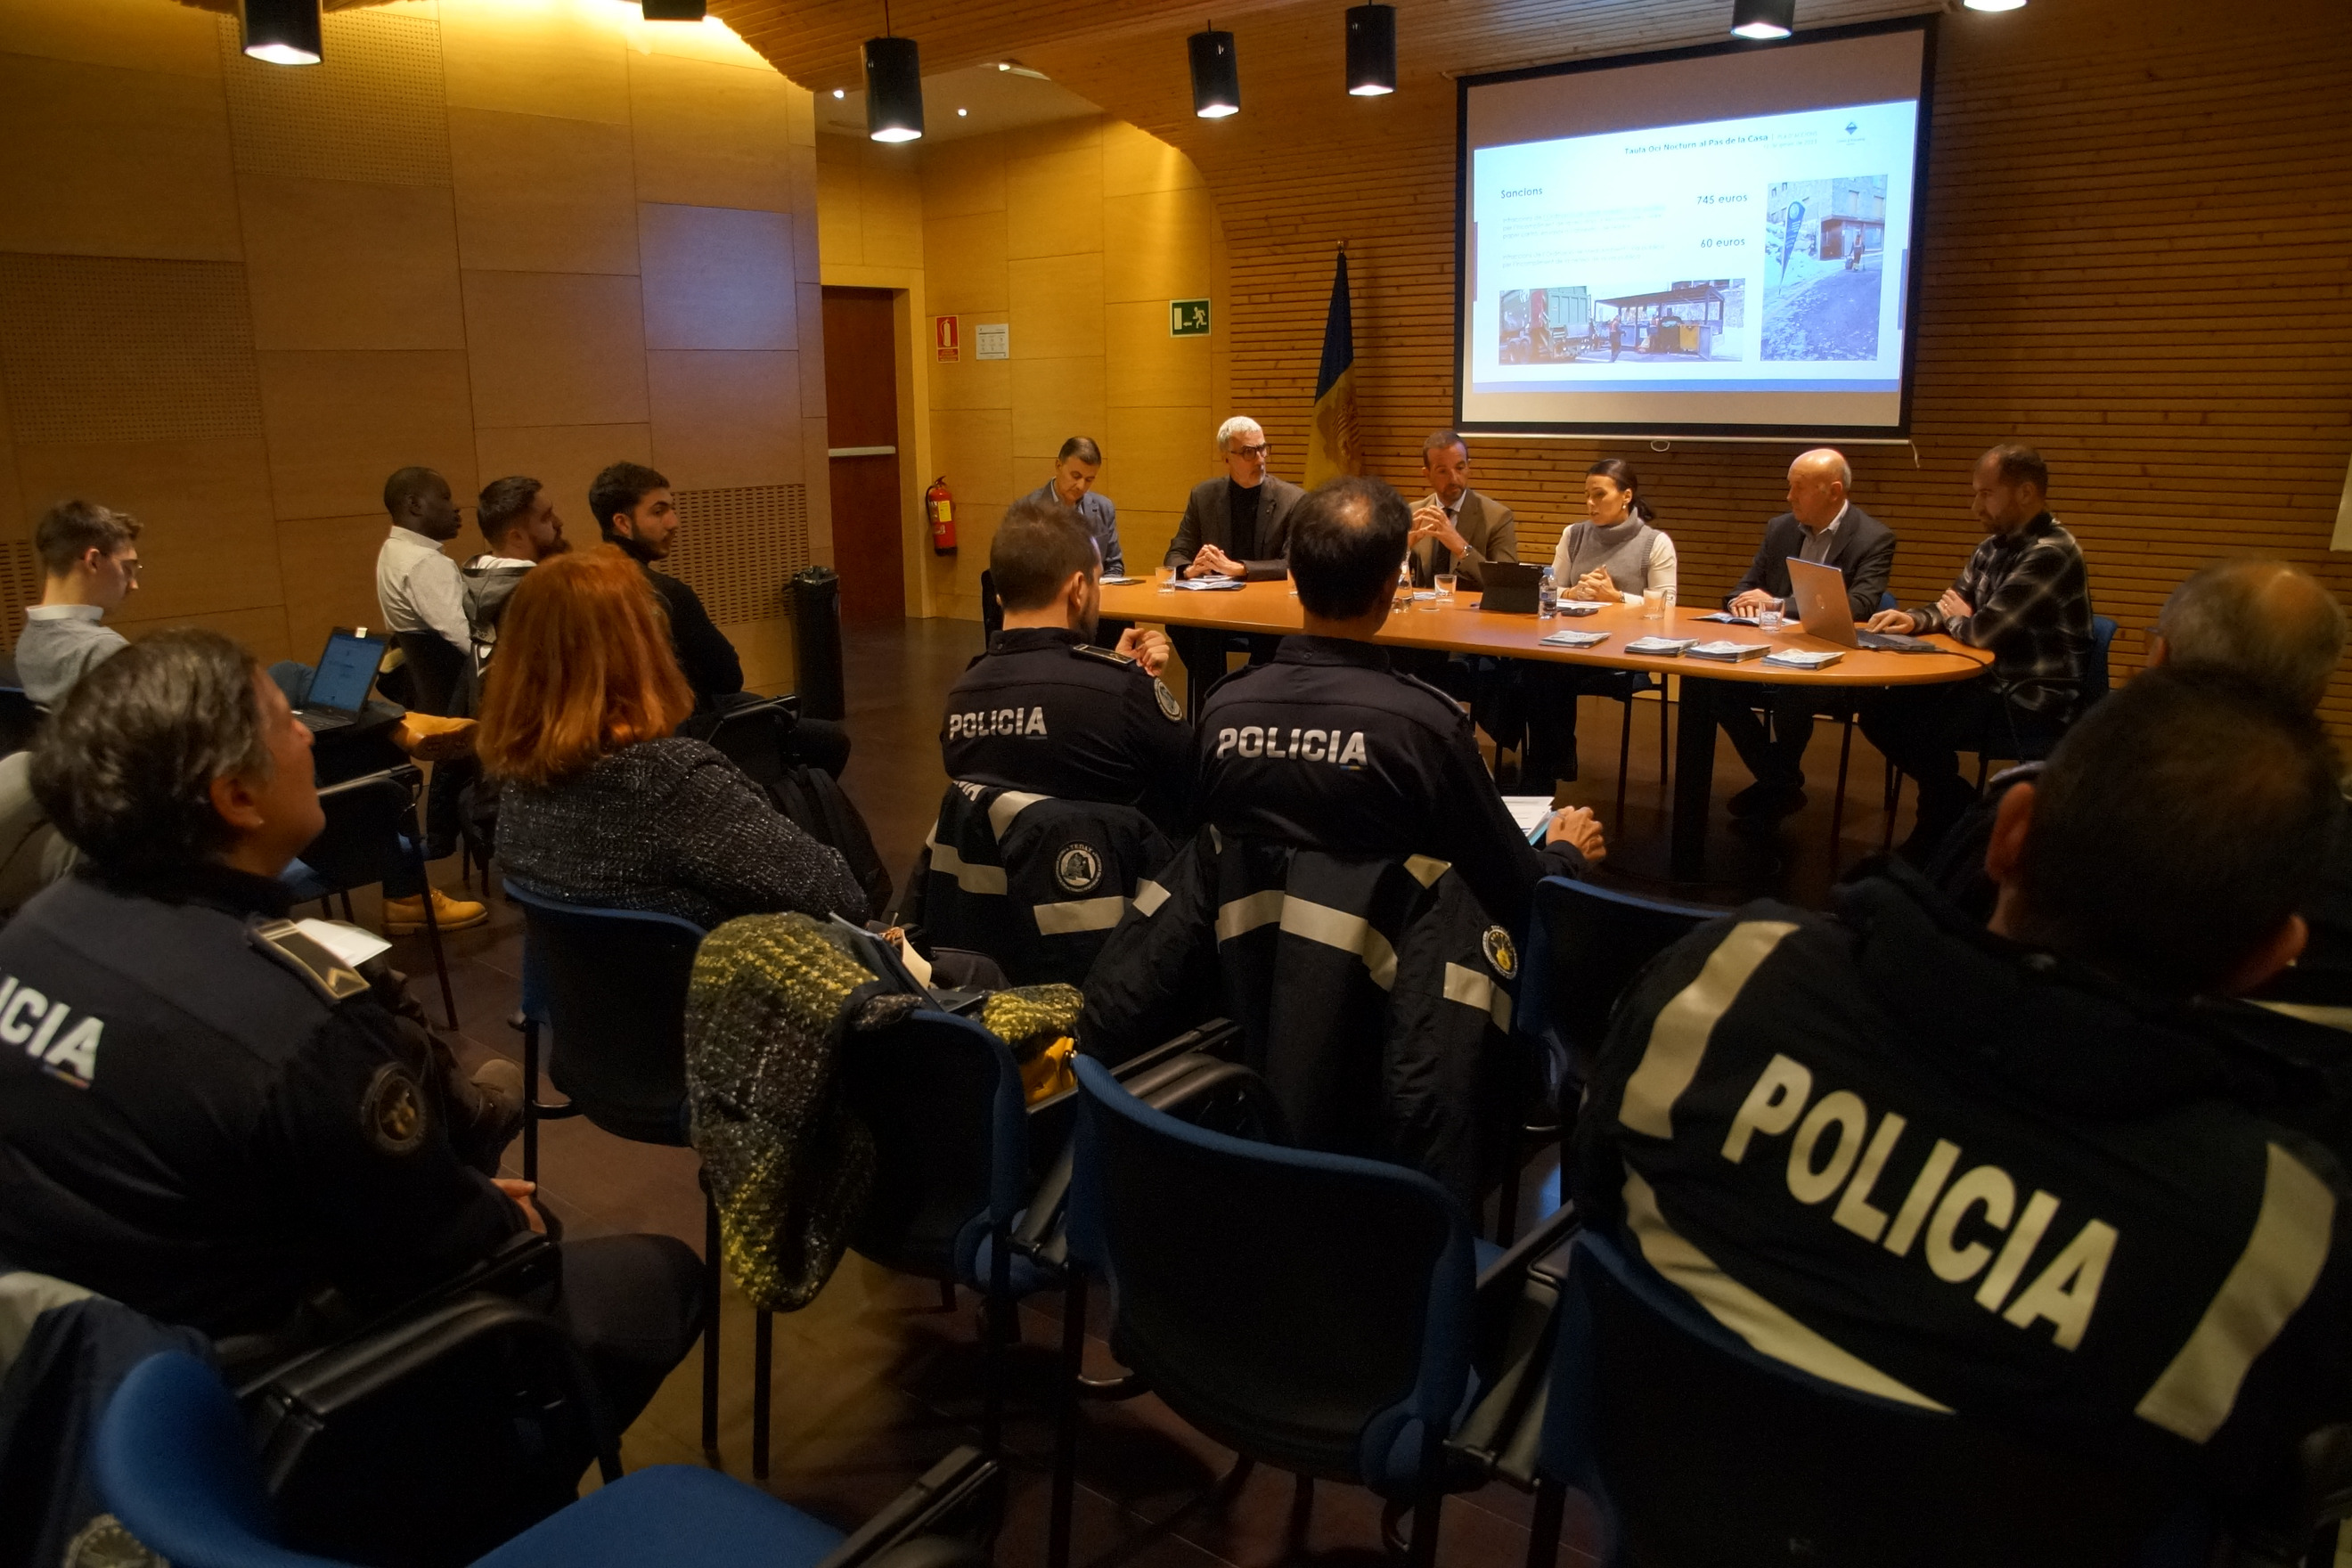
1618, 553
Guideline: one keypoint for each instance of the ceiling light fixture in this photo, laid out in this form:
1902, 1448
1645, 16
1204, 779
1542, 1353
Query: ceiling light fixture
894, 87
1763, 19
1216, 74
674, 10
840, 92
283, 32
1994, 4
1371, 50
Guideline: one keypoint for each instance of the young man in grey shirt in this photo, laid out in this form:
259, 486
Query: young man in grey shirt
90, 558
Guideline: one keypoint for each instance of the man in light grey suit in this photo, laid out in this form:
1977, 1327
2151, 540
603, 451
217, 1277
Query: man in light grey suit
1238, 526
1456, 529
1073, 484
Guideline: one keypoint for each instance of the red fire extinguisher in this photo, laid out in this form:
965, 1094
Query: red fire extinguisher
938, 505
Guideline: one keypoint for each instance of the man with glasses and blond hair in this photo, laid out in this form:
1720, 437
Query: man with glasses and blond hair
90, 563
1237, 526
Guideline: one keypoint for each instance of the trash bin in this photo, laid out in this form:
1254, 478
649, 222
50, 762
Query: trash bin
816, 641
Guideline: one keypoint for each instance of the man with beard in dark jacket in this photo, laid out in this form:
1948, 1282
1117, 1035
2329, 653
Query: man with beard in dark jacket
2018, 1171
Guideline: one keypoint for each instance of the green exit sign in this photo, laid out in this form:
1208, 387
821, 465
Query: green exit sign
1188, 318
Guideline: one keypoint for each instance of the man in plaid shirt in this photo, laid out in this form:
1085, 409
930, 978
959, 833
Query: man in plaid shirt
2024, 596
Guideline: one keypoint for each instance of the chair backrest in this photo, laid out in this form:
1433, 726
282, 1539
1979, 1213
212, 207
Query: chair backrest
1585, 945
991, 608
2095, 682
943, 1100
172, 1461
371, 829
1700, 1448
751, 736
440, 679
1312, 1311
611, 984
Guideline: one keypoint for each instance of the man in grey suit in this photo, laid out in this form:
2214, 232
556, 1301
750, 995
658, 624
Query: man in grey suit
1456, 529
1073, 484
1237, 526
1821, 526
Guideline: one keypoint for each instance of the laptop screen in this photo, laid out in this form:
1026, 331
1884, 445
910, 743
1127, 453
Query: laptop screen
345, 671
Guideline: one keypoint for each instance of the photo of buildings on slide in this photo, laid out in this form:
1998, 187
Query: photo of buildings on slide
1824, 254
1692, 318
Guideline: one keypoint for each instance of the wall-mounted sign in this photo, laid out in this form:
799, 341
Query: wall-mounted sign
1188, 318
944, 336
991, 340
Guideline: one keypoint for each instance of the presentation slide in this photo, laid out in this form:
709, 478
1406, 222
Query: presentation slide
1633, 266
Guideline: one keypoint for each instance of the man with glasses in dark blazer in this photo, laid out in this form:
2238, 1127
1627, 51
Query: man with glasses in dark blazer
1237, 526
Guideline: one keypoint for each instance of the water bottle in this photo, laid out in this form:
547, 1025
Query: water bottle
1547, 597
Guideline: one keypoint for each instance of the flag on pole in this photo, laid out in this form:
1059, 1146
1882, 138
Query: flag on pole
1336, 448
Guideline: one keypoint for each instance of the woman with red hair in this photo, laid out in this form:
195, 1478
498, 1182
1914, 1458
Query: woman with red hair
600, 803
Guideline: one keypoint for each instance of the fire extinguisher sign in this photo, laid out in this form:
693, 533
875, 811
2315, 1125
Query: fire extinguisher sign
943, 337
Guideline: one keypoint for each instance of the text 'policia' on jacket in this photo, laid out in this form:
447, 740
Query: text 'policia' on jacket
1908, 1156
241, 1130
1328, 748
1043, 713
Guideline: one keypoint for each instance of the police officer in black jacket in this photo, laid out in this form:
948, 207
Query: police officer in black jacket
204, 1113
1330, 748
1044, 710
2019, 1171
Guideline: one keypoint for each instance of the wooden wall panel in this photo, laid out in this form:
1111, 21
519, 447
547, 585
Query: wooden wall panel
236, 297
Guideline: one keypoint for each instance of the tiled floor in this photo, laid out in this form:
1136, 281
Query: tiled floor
874, 1380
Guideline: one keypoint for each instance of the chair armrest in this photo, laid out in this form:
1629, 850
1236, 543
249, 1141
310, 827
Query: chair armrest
933, 1523
1516, 1323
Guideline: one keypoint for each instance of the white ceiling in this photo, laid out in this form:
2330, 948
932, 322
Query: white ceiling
992, 99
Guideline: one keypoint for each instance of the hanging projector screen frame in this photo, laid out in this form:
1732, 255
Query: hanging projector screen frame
1470, 422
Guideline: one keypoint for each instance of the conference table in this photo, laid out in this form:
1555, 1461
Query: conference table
1460, 626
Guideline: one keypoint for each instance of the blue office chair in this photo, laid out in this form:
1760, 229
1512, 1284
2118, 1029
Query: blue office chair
1585, 945
1310, 1311
1697, 1448
609, 985
952, 1170
173, 1462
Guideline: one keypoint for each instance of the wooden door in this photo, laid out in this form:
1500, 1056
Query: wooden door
861, 408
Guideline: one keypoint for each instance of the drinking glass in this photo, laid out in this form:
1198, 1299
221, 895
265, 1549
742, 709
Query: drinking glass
1768, 618
1654, 603
1445, 584
1167, 579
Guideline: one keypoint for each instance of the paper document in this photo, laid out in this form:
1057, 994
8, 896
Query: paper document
1575, 639
348, 942
1529, 811
1207, 584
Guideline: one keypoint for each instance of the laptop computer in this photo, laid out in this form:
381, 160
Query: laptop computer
339, 686
1511, 587
1828, 614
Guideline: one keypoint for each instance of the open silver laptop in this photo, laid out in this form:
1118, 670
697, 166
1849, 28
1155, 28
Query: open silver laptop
1824, 607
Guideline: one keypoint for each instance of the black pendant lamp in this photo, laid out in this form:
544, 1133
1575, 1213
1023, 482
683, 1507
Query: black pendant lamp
894, 89
674, 10
1216, 74
1763, 19
1371, 50
283, 32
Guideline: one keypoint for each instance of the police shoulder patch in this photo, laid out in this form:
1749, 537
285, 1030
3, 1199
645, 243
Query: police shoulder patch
1077, 867
1109, 655
1500, 953
1167, 699
391, 1112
